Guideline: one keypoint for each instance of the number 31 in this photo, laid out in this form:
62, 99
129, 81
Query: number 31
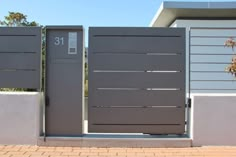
59, 41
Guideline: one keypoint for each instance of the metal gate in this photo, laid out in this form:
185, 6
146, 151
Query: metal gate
136, 80
64, 80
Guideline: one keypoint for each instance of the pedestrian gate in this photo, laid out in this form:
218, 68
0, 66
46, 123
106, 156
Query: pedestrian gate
136, 80
64, 80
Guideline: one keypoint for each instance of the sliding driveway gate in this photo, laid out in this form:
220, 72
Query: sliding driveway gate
137, 80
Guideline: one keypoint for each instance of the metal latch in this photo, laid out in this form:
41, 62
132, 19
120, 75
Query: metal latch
189, 103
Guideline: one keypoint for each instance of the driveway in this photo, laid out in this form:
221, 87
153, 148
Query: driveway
35, 151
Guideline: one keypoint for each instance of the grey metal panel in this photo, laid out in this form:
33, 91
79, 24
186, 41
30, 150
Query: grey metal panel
150, 129
213, 91
220, 50
210, 67
214, 85
125, 80
209, 61
135, 31
61, 51
219, 41
21, 44
142, 98
211, 76
211, 58
19, 79
135, 40
135, 116
18, 61
20, 57
64, 83
137, 62
56, 27
213, 32
20, 31
136, 45
137, 80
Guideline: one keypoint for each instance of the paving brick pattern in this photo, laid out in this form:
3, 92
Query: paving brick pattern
35, 151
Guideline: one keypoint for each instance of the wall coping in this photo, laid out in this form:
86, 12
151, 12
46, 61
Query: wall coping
18, 93
212, 94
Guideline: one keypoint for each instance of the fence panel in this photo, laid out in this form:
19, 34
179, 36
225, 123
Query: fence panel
20, 57
136, 80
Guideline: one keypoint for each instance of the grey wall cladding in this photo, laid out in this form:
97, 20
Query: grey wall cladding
136, 80
20, 57
209, 57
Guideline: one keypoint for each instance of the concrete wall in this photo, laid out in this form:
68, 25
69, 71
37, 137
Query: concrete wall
213, 119
20, 117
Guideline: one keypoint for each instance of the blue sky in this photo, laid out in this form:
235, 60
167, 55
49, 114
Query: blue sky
85, 12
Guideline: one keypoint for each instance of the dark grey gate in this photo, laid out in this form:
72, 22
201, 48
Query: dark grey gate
64, 80
137, 80
20, 57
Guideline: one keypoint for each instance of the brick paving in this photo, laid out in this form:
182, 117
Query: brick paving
35, 151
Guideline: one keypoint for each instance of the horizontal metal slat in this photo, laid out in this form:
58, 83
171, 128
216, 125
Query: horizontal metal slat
137, 45
19, 61
209, 67
149, 129
20, 44
217, 85
211, 50
208, 41
214, 91
136, 62
214, 32
148, 116
133, 98
211, 58
212, 76
137, 80
145, 31
19, 79
20, 31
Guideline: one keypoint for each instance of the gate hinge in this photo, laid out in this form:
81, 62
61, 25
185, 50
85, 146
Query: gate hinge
189, 103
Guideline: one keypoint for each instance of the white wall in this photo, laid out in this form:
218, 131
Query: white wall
20, 117
213, 112
210, 50
213, 119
